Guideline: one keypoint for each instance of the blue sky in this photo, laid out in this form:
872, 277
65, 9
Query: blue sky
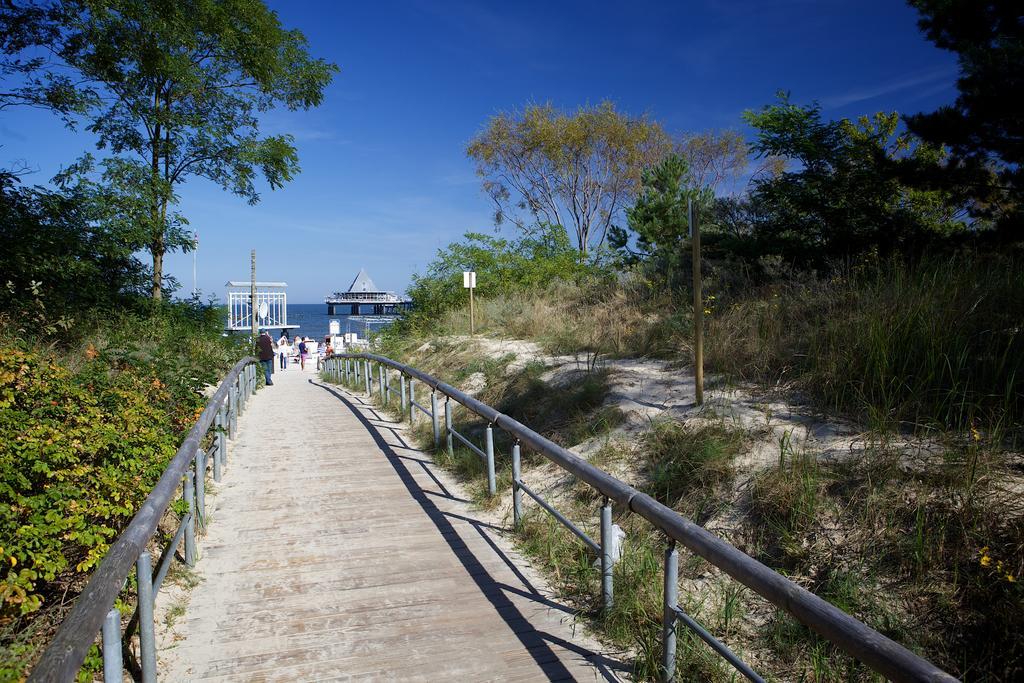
385, 180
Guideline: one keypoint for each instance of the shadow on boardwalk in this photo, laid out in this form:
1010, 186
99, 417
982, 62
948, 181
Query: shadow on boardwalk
537, 643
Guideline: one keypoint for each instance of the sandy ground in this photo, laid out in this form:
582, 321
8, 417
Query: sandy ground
648, 389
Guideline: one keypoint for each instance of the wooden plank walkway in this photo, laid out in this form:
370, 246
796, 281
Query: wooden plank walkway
336, 552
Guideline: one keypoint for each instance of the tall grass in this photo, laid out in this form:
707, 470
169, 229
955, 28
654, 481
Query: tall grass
938, 344
690, 468
629, 318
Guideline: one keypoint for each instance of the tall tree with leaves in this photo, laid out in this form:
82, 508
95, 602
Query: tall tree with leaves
182, 84
843, 195
29, 77
579, 170
984, 128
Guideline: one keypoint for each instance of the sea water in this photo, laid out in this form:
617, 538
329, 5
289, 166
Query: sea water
314, 322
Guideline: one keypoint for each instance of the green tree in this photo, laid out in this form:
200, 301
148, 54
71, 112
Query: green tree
580, 169
59, 259
182, 85
28, 76
984, 128
540, 256
843, 194
660, 217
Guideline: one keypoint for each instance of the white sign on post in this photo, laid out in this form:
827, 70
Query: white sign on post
335, 327
469, 279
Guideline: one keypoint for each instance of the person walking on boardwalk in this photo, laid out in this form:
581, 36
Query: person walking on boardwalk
266, 349
303, 353
283, 349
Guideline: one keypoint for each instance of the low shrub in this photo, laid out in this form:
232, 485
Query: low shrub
86, 430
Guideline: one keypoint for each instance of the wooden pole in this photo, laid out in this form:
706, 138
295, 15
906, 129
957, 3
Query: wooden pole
472, 319
698, 310
252, 300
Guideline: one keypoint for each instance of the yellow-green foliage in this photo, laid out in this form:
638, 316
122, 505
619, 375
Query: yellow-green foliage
80, 452
88, 422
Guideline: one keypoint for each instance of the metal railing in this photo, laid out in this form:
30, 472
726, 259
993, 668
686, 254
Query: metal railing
861, 642
94, 610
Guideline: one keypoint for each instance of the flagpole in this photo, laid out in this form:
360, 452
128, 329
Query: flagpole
195, 290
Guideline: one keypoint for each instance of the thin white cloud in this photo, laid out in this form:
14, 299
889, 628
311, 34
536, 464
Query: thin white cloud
930, 77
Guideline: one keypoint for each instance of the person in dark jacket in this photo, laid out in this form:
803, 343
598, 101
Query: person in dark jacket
266, 349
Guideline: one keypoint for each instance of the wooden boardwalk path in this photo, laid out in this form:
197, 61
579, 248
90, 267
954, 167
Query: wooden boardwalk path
336, 552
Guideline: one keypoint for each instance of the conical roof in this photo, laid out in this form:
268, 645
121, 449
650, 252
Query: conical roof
362, 283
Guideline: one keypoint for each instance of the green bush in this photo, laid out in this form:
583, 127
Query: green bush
86, 429
538, 258
80, 452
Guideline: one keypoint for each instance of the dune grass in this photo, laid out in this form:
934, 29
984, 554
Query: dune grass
933, 346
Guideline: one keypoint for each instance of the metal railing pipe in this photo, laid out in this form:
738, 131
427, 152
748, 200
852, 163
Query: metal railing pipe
670, 597
189, 494
200, 468
565, 521
218, 459
434, 419
863, 643
412, 402
448, 427
492, 485
168, 557
718, 646
113, 665
607, 539
147, 632
517, 494
470, 445
404, 396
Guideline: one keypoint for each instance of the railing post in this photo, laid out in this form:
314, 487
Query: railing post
382, 373
448, 425
517, 495
147, 635
607, 539
491, 483
669, 617
401, 390
201, 487
222, 442
190, 522
366, 377
232, 411
216, 463
412, 402
434, 418
113, 665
